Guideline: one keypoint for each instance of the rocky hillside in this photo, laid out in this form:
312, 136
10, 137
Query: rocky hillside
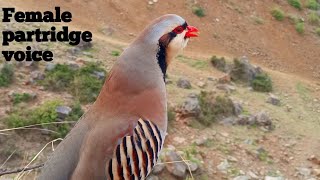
244, 98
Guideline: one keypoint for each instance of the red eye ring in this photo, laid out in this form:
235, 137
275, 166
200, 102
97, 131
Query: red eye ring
178, 30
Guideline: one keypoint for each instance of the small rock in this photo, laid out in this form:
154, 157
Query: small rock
243, 120
228, 121
305, 172
37, 75
157, 169
273, 178
244, 71
223, 166
253, 175
190, 107
152, 177
50, 66
84, 45
63, 111
99, 74
237, 108
74, 51
232, 159
273, 99
178, 169
288, 108
242, 178
193, 166
179, 139
201, 141
201, 84
184, 83
316, 172
263, 119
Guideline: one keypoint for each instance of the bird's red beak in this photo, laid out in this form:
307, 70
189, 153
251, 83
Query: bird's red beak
192, 32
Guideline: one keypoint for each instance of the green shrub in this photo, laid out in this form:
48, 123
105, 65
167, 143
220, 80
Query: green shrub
198, 11
213, 107
318, 31
18, 98
59, 78
257, 20
85, 86
277, 13
295, 3
300, 27
45, 113
82, 83
262, 82
115, 53
219, 63
6, 75
313, 4
313, 18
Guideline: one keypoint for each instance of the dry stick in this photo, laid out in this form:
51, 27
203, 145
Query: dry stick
20, 175
20, 170
187, 165
34, 125
7, 159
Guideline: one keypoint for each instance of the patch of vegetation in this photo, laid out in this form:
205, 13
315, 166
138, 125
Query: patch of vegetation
45, 113
234, 172
219, 63
6, 75
195, 63
198, 11
190, 153
262, 83
115, 53
257, 20
303, 91
18, 98
313, 4
213, 107
296, 4
86, 86
224, 149
313, 18
263, 155
171, 114
82, 82
277, 13
60, 78
318, 31
300, 27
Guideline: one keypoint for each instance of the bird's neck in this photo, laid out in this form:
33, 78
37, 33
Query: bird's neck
136, 86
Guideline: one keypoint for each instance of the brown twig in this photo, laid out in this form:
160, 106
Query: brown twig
4, 172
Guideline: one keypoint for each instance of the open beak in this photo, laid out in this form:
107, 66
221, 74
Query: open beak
192, 32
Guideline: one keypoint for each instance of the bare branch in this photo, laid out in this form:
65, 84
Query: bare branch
4, 172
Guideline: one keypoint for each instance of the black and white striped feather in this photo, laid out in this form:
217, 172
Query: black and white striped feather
135, 156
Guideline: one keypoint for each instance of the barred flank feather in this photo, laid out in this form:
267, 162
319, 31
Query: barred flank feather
136, 155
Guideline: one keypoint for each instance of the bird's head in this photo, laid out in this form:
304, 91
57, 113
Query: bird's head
170, 34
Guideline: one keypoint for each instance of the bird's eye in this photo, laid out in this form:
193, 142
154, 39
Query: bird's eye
178, 30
